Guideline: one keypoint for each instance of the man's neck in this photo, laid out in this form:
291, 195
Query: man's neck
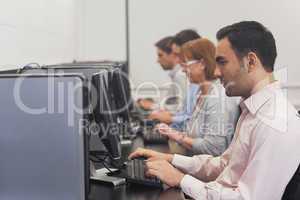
263, 82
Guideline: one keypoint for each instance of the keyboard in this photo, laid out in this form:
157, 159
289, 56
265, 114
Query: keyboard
134, 172
154, 137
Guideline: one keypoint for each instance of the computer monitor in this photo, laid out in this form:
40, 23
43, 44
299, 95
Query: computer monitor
97, 75
43, 144
122, 94
104, 114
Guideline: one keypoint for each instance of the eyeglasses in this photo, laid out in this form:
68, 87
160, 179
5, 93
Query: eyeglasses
191, 62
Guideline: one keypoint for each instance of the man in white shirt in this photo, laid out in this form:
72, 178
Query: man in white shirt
178, 85
183, 110
264, 153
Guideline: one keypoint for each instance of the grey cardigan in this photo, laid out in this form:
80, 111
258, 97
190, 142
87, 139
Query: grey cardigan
213, 122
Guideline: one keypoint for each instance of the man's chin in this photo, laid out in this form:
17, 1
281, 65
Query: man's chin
229, 92
166, 69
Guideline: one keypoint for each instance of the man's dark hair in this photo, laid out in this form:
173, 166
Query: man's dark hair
165, 44
251, 36
186, 36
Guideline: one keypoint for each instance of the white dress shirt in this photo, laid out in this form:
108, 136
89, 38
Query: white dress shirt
260, 161
177, 91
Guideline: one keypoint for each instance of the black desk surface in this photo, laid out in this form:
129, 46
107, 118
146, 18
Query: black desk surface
134, 192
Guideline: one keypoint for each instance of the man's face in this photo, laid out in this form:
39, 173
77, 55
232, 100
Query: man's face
231, 70
165, 60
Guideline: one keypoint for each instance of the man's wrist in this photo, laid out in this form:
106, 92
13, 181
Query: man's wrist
179, 179
169, 157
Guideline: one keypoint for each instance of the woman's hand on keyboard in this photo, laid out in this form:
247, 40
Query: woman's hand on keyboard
166, 130
150, 154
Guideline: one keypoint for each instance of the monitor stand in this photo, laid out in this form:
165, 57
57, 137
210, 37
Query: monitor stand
100, 175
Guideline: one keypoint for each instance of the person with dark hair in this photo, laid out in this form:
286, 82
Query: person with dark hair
264, 153
182, 37
185, 35
165, 58
165, 44
246, 37
177, 90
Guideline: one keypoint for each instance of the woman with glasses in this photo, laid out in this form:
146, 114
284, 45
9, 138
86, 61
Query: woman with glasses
211, 127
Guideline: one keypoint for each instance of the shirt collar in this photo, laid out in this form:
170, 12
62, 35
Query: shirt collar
173, 71
260, 97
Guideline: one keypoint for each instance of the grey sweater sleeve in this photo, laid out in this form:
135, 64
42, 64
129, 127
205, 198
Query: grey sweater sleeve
217, 127
211, 144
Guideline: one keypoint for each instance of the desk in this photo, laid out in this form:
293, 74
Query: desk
134, 192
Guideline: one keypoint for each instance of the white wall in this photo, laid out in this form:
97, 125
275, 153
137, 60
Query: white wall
54, 31
152, 20
40, 31
101, 30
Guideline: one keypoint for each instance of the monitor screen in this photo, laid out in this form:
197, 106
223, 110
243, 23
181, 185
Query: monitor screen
122, 94
104, 107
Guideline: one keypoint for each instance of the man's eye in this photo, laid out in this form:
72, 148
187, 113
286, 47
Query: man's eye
222, 62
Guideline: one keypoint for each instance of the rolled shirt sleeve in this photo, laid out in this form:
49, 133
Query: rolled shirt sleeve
204, 167
208, 191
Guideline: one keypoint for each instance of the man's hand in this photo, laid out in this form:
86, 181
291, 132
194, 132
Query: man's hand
146, 104
164, 171
161, 115
150, 154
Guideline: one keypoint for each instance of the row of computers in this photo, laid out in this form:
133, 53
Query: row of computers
117, 117
117, 113
48, 118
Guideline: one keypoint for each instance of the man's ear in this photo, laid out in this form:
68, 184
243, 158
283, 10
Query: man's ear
252, 61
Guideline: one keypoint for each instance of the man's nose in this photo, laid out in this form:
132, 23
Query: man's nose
217, 72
